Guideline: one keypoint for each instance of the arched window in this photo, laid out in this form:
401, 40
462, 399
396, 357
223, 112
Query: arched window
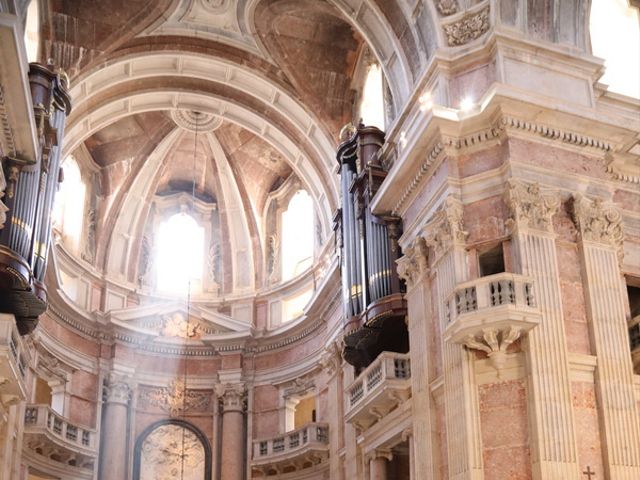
180, 255
172, 449
615, 36
297, 235
372, 102
32, 31
68, 209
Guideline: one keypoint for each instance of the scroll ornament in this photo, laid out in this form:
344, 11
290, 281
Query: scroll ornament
530, 207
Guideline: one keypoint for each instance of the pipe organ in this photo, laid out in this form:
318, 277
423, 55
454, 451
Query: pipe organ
367, 244
30, 185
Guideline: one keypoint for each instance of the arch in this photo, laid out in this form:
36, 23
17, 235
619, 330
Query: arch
297, 235
69, 203
180, 423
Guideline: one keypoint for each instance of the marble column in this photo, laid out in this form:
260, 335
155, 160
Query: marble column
600, 240
446, 236
378, 464
114, 448
232, 397
412, 267
553, 439
332, 365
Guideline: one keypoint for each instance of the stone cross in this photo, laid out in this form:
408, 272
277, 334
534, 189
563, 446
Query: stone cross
589, 473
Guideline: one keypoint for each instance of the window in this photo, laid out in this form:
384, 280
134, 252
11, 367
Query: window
180, 255
68, 208
372, 103
615, 36
491, 261
32, 31
297, 235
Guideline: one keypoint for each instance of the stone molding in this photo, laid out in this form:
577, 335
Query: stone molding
446, 228
597, 221
530, 206
232, 396
414, 264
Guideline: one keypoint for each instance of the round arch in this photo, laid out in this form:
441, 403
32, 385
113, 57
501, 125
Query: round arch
179, 423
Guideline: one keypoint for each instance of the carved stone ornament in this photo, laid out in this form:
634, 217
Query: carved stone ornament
177, 325
232, 395
447, 7
299, 387
175, 399
413, 264
3, 207
597, 222
118, 391
530, 207
331, 359
446, 228
494, 343
468, 28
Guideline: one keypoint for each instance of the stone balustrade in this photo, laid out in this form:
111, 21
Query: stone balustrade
380, 388
51, 435
295, 450
490, 313
14, 359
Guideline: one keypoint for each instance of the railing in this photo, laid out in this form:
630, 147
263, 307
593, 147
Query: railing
291, 442
490, 291
388, 366
72, 435
11, 347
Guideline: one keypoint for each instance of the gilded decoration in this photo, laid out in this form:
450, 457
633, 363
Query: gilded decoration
175, 399
468, 28
446, 228
530, 206
171, 452
597, 222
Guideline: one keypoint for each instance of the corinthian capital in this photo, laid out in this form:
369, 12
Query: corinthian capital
446, 228
413, 264
118, 390
597, 222
530, 206
232, 395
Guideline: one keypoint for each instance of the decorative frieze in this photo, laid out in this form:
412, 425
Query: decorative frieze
446, 228
597, 222
468, 28
175, 399
530, 206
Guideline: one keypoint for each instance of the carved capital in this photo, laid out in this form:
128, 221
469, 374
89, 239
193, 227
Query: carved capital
380, 453
530, 206
446, 228
597, 222
414, 262
232, 395
119, 391
447, 7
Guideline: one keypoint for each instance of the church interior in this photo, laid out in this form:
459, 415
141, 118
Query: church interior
320, 240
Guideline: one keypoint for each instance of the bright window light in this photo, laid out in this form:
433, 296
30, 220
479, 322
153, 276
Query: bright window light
180, 255
615, 36
372, 105
68, 207
32, 31
297, 235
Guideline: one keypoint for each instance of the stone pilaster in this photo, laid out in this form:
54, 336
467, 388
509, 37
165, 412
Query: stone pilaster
114, 451
600, 238
332, 365
445, 234
551, 414
378, 462
232, 398
412, 267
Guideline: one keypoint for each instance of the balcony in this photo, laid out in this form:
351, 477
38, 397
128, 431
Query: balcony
293, 451
490, 313
13, 362
380, 388
49, 435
